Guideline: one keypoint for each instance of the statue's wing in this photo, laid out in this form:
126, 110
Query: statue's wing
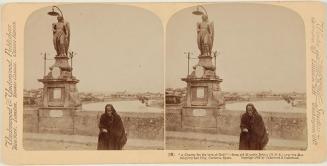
68, 36
53, 32
198, 37
212, 32
68, 31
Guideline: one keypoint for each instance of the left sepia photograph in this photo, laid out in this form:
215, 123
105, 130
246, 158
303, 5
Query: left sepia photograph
93, 78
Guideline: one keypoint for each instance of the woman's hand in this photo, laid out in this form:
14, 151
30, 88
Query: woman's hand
245, 130
104, 130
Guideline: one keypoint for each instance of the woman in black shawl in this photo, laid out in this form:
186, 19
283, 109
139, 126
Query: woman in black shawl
112, 133
253, 135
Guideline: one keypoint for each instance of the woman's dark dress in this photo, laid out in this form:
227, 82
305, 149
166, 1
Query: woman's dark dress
256, 138
115, 138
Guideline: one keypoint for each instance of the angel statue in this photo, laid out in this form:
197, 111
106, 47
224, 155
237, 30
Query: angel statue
61, 36
205, 37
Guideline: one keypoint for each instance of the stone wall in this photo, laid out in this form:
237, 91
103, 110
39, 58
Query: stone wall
30, 119
279, 125
137, 125
150, 125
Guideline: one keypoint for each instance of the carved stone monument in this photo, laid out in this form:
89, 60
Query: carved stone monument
204, 97
60, 95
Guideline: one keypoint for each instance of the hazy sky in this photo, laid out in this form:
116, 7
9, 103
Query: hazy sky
118, 47
121, 47
262, 47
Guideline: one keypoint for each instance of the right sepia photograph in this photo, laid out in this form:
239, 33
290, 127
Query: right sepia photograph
235, 78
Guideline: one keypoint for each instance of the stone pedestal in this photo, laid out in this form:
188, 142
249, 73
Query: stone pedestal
203, 97
60, 93
60, 98
56, 120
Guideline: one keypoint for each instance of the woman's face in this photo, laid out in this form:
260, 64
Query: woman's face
249, 110
109, 110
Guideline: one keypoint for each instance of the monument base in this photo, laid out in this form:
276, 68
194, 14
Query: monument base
200, 119
57, 119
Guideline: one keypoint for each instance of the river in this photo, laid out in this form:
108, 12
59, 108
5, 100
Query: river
122, 106
137, 106
266, 106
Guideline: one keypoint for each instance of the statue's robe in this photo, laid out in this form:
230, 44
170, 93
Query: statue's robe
205, 37
61, 38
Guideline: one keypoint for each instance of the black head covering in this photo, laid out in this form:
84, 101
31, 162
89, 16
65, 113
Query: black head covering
253, 108
112, 109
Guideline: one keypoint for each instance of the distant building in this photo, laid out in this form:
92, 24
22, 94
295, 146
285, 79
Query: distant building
171, 98
32, 97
